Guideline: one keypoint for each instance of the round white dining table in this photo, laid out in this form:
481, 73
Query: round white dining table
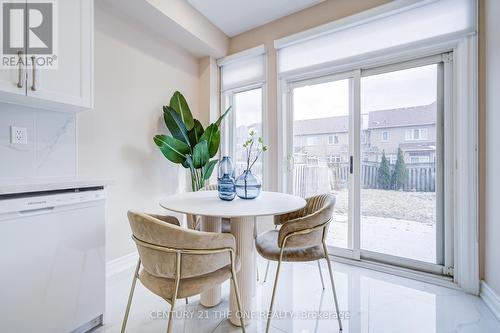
242, 214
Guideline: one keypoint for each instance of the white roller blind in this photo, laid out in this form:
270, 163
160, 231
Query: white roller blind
243, 68
416, 21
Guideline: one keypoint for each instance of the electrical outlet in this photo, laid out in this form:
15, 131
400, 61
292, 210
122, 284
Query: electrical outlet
18, 135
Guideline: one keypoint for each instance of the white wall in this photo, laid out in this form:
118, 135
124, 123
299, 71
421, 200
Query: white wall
51, 148
135, 74
491, 223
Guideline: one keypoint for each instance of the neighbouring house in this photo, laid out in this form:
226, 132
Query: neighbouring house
413, 129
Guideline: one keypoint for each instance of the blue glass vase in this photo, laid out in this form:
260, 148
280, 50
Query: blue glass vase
225, 179
247, 185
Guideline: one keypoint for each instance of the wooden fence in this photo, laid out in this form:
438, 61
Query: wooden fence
311, 179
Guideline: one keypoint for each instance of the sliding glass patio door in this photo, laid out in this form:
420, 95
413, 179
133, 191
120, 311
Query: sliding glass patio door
320, 147
375, 138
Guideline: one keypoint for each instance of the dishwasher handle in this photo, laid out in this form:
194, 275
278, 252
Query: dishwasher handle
37, 210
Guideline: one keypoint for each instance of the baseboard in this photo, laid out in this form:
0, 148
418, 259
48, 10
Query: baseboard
121, 264
491, 299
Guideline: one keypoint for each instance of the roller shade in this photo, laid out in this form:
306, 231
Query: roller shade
243, 68
392, 25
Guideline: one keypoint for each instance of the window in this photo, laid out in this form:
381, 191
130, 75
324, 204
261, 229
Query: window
416, 134
312, 140
419, 158
243, 85
333, 140
334, 159
385, 136
400, 105
247, 115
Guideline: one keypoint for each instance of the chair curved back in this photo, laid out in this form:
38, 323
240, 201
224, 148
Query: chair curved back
193, 221
159, 238
317, 212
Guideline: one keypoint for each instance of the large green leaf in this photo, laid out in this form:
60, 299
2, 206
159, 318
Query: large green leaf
195, 133
219, 121
200, 154
212, 136
173, 149
179, 104
208, 169
175, 125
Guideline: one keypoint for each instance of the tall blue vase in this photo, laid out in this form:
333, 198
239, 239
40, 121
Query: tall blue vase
247, 185
225, 179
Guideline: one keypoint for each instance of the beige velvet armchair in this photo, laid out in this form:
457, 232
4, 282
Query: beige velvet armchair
301, 238
178, 262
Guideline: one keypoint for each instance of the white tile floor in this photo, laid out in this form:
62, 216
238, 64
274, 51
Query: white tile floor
373, 302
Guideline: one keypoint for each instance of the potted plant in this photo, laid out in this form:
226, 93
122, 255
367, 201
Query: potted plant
247, 185
190, 145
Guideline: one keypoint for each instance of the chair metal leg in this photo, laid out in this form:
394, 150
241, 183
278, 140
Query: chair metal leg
176, 290
131, 295
267, 270
333, 285
268, 262
321, 275
270, 313
187, 300
237, 293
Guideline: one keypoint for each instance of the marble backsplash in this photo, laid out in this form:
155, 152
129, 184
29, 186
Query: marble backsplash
51, 150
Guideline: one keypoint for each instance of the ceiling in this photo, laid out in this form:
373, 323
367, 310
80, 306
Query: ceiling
236, 16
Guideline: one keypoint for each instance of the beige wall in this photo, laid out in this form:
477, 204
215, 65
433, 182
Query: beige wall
490, 138
322, 13
135, 74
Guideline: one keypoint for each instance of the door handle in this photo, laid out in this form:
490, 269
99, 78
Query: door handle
33, 63
351, 164
20, 80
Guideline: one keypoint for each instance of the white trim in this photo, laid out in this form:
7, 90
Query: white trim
439, 280
249, 53
466, 166
363, 17
121, 264
490, 298
463, 208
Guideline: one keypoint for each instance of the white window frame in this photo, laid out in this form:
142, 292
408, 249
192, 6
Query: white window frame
461, 142
422, 134
382, 139
227, 100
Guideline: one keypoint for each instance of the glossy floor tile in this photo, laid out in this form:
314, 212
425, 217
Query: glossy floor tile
371, 302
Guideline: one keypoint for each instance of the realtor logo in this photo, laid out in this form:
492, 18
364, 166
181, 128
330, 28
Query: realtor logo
28, 28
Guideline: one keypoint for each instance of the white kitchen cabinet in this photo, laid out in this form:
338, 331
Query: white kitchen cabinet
13, 80
69, 87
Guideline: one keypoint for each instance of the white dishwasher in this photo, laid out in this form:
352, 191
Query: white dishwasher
52, 264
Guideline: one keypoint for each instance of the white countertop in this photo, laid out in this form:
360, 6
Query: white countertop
52, 184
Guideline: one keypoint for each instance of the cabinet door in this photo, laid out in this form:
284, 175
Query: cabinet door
13, 80
71, 82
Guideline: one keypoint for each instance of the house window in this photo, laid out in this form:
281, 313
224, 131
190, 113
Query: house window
419, 159
333, 140
416, 134
385, 136
312, 140
334, 159
392, 158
